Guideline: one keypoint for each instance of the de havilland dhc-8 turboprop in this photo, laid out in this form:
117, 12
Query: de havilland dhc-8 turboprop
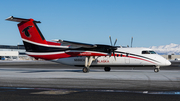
83, 54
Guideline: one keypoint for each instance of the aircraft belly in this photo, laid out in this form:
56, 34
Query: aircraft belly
104, 61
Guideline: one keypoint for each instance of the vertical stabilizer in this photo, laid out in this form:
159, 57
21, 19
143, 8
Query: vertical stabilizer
29, 30
30, 33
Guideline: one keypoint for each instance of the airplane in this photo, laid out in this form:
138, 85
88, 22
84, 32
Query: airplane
83, 54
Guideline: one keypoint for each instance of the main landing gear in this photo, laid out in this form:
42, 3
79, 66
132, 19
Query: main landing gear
88, 61
86, 70
107, 69
157, 69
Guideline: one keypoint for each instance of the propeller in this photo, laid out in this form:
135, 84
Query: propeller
113, 47
115, 42
131, 41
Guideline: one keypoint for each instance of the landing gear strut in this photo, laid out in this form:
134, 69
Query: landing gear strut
88, 61
157, 69
107, 69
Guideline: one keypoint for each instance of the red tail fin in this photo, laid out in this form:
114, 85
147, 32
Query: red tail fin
29, 30
35, 43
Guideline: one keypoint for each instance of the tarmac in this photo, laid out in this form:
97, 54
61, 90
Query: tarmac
46, 79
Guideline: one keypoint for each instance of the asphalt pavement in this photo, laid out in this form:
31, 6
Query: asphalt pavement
44, 81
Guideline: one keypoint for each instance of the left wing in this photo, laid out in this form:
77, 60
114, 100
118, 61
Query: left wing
77, 44
96, 47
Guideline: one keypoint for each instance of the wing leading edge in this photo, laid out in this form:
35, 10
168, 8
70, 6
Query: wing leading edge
79, 44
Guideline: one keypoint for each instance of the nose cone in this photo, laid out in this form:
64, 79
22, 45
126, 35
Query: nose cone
163, 61
168, 62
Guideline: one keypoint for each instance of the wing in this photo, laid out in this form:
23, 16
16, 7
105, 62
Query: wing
77, 44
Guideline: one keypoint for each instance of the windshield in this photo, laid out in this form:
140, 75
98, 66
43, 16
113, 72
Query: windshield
152, 52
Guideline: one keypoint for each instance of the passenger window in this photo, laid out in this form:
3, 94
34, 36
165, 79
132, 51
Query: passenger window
121, 55
117, 55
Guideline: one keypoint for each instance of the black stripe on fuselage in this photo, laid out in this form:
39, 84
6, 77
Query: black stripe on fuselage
137, 56
38, 48
30, 47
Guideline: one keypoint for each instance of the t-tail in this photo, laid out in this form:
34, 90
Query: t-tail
33, 39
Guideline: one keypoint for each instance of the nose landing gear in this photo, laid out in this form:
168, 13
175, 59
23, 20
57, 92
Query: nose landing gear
157, 69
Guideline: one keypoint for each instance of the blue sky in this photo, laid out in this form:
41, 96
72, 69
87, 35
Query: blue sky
150, 22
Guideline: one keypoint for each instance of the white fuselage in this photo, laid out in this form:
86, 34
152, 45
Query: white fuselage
123, 57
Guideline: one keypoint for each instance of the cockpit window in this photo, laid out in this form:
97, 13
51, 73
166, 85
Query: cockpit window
152, 52
145, 52
148, 52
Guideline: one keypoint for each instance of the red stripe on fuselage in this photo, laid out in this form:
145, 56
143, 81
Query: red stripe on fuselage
53, 43
52, 56
65, 55
85, 54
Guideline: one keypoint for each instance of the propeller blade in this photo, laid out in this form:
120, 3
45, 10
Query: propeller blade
114, 55
112, 48
110, 40
131, 41
115, 42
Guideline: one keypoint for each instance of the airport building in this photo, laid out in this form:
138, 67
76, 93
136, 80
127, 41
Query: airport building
171, 57
8, 52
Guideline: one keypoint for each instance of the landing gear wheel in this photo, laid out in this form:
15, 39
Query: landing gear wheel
156, 70
85, 70
107, 69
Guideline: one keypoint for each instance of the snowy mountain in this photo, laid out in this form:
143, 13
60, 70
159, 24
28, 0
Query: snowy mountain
167, 49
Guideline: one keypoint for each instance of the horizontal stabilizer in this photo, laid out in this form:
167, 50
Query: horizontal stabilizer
11, 18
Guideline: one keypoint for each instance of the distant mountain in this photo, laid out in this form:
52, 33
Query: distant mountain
167, 49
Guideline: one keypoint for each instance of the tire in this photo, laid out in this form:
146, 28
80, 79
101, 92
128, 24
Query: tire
107, 69
156, 70
85, 70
